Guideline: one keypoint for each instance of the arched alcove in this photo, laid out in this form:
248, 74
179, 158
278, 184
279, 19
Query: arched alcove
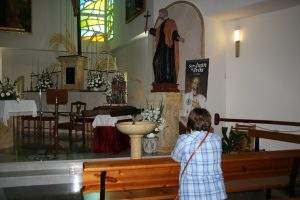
190, 26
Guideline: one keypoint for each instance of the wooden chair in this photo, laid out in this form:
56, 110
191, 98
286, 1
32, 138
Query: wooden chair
247, 143
76, 120
31, 124
56, 97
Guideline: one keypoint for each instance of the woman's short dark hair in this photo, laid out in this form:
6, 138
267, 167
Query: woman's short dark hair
199, 120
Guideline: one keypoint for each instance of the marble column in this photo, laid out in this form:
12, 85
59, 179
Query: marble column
172, 103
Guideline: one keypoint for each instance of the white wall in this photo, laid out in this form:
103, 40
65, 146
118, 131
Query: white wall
126, 32
215, 51
210, 8
46, 19
134, 53
26, 53
263, 83
21, 62
133, 58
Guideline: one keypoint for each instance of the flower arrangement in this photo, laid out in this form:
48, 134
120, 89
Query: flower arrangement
45, 79
119, 88
95, 79
153, 114
8, 90
108, 90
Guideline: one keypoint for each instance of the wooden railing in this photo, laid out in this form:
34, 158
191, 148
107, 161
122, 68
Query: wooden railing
271, 135
217, 120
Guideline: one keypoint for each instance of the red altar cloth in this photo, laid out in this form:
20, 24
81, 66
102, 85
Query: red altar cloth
107, 139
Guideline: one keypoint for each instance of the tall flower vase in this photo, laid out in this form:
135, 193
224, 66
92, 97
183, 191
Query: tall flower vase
150, 145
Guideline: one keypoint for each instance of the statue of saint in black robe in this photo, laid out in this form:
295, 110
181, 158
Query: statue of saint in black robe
165, 60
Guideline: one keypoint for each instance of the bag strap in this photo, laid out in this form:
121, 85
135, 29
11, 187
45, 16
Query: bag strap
194, 152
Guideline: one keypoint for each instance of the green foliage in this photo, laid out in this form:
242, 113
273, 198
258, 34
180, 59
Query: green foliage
231, 142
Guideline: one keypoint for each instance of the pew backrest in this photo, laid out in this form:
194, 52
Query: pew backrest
242, 172
260, 170
131, 174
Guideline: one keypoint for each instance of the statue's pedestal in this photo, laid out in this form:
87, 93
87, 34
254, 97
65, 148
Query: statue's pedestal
171, 101
165, 87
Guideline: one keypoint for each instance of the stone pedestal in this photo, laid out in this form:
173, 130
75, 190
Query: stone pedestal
136, 131
172, 102
165, 87
136, 146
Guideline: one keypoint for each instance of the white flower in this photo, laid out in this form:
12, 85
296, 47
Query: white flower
7, 93
154, 115
2, 95
151, 135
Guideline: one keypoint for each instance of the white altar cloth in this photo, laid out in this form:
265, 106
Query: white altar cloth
9, 108
107, 120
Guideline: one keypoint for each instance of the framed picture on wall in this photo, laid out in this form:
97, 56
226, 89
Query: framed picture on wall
15, 15
134, 8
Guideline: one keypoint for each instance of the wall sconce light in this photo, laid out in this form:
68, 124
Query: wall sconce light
237, 40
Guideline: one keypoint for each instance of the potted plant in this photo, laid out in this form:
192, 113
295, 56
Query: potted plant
152, 114
231, 141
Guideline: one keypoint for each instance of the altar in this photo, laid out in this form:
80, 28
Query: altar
92, 99
9, 110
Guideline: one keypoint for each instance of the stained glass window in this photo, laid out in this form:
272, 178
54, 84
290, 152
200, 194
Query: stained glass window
96, 19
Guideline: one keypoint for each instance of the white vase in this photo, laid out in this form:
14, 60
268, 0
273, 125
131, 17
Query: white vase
150, 145
95, 89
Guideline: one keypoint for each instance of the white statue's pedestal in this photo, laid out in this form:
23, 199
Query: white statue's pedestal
172, 103
136, 131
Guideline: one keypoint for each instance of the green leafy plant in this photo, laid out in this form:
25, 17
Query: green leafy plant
231, 142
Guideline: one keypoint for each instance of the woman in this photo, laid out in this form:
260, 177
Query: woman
199, 154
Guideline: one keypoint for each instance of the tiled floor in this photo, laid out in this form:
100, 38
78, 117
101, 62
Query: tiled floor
30, 149
48, 192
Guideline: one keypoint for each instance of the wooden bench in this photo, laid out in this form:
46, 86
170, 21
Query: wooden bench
157, 178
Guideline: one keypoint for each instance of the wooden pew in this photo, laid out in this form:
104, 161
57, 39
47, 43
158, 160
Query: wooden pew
157, 178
